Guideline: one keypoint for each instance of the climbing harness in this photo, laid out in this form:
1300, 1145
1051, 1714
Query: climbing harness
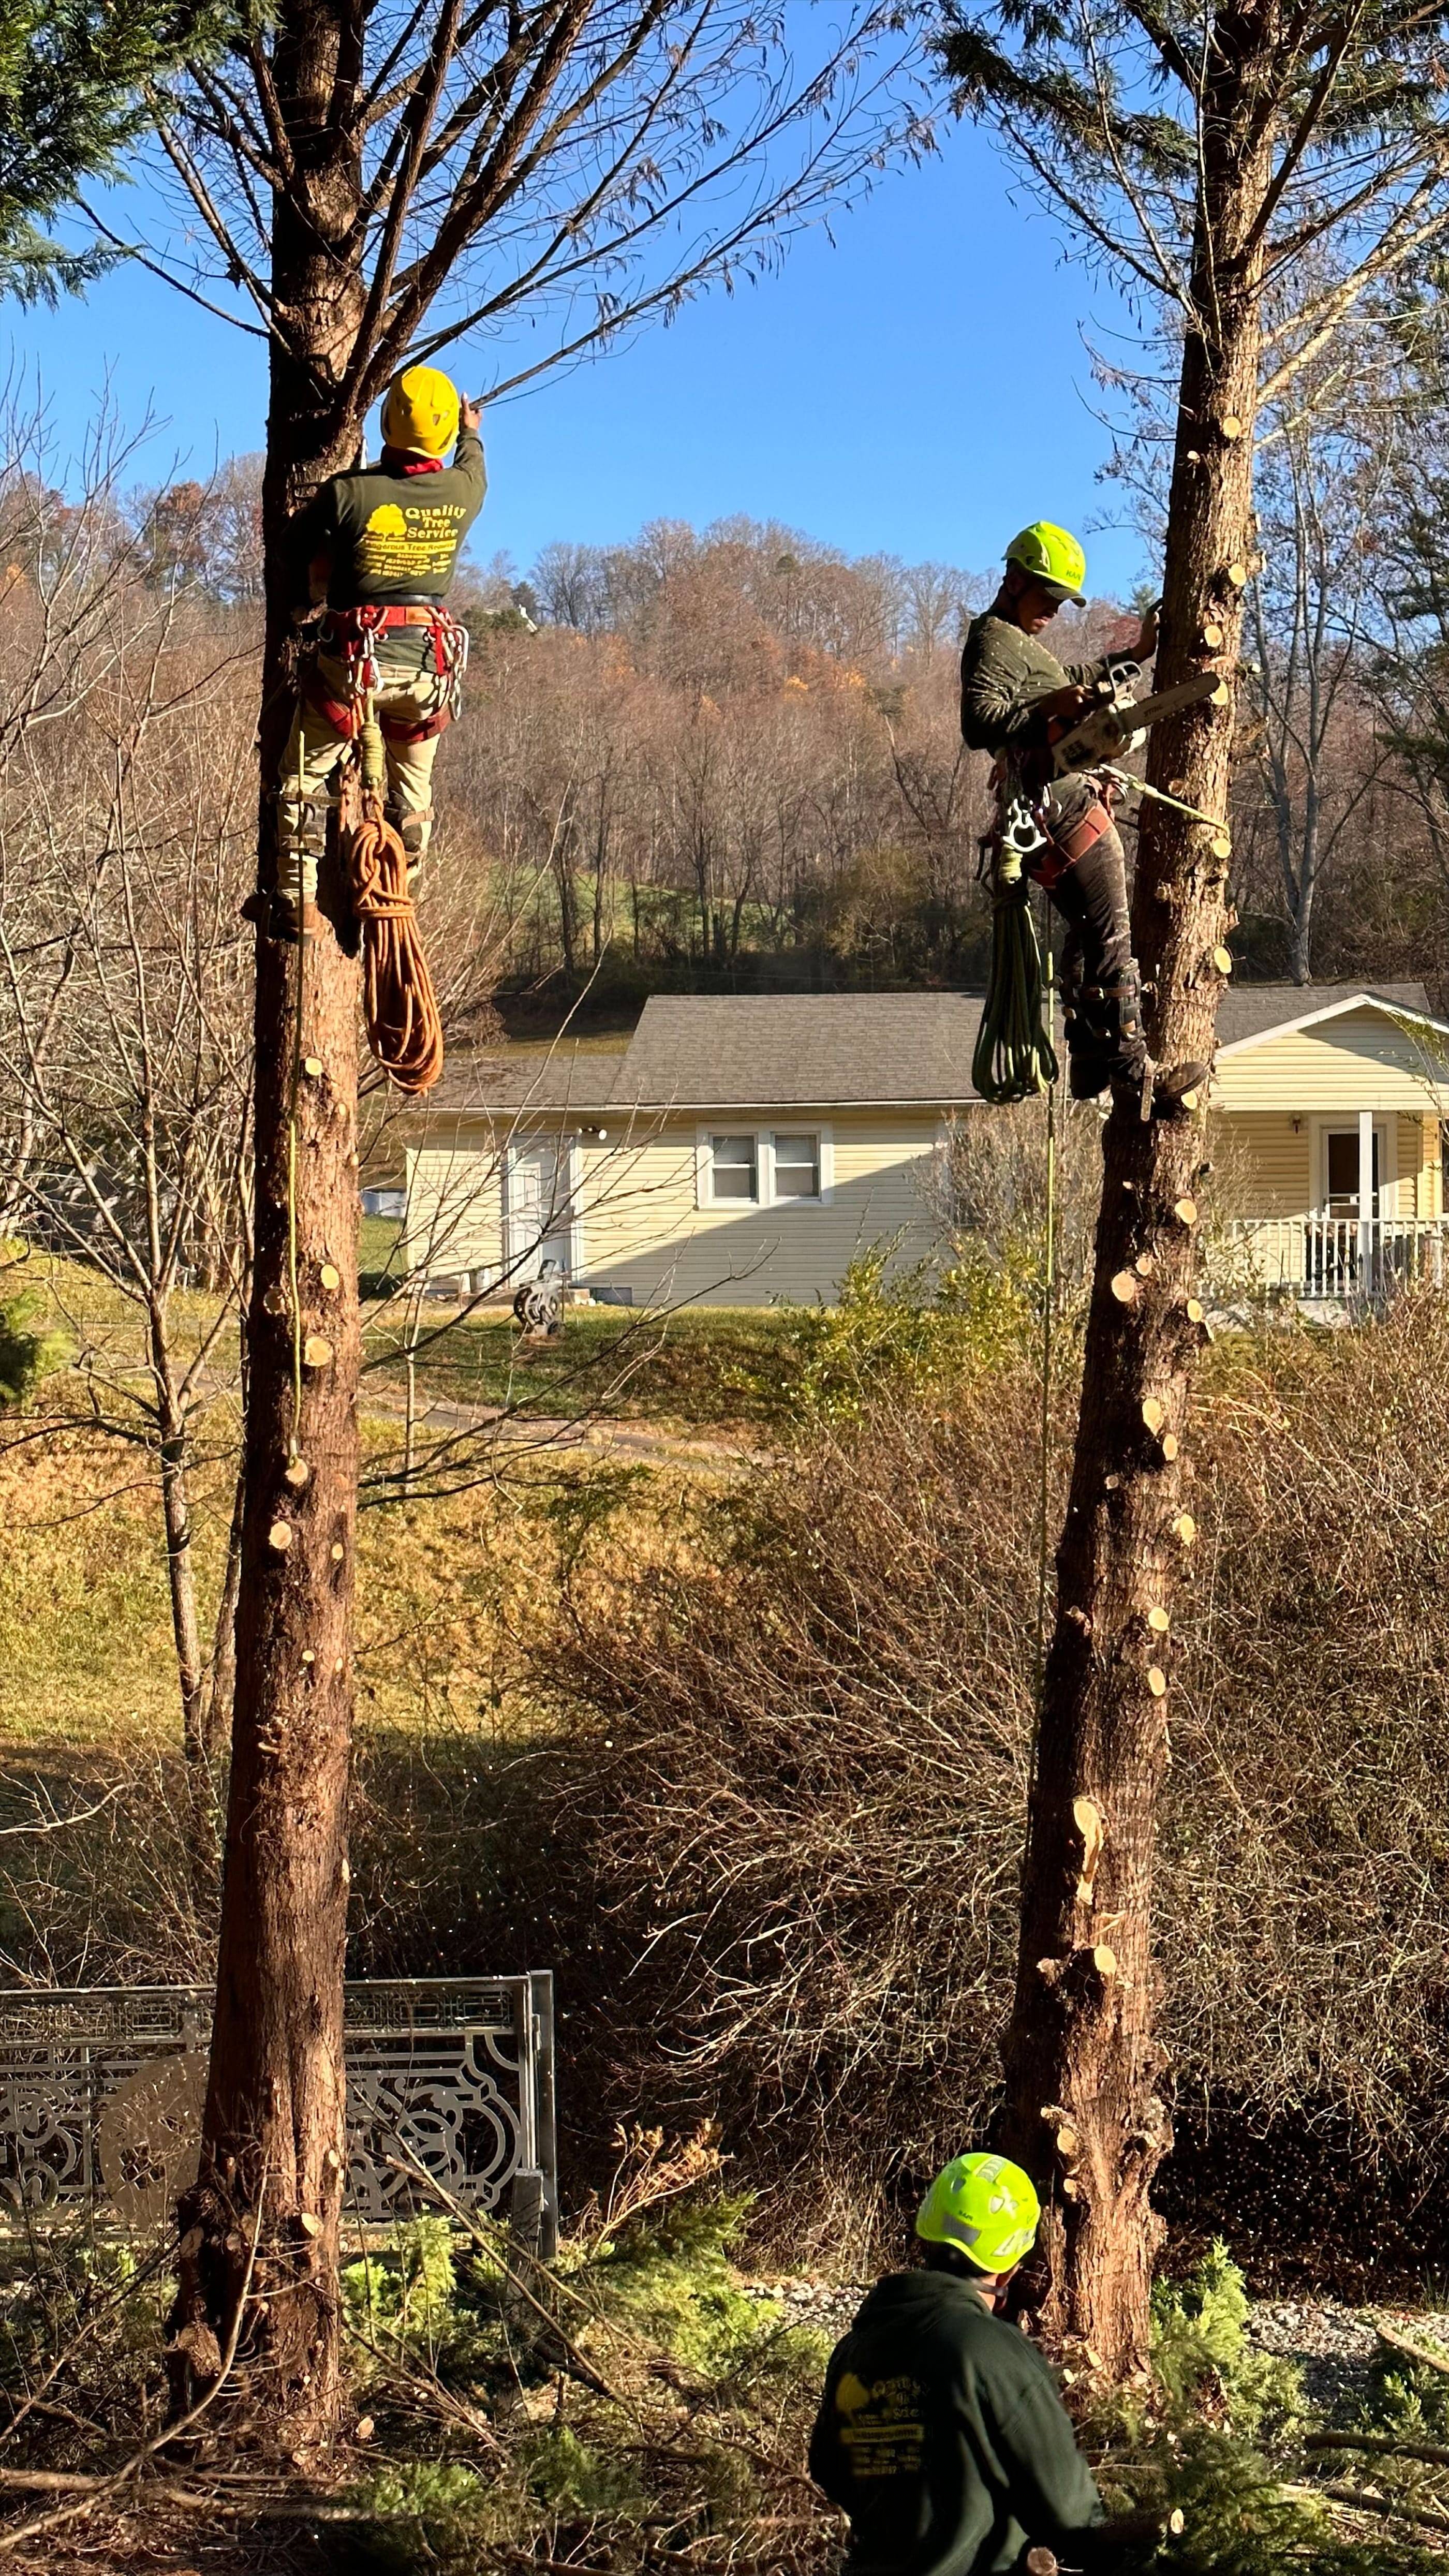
350, 636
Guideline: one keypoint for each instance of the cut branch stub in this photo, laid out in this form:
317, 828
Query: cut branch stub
330, 1276
1230, 425
1144, 1265
1156, 1680
1158, 1620
1185, 1528
317, 1351
1223, 960
312, 1066
1185, 1211
279, 1536
295, 1473
1169, 1444
1195, 1311
1124, 1288
1154, 1413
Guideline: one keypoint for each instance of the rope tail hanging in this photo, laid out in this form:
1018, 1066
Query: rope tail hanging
404, 1029
1014, 1058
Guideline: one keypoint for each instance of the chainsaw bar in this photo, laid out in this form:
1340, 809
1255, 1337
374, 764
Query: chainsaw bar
1110, 730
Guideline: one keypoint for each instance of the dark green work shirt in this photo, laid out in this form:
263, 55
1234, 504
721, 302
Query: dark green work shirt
1004, 673
942, 2436
393, 538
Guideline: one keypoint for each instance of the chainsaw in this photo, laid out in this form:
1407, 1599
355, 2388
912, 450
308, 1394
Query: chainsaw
1120, 725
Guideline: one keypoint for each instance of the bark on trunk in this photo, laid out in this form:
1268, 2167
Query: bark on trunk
260, 2231
1082, 2060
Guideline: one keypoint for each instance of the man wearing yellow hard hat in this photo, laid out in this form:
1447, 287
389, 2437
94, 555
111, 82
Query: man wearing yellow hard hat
376, 552
941, 2433
1016, 699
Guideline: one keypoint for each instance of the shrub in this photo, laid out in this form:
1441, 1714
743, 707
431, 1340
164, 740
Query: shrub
791, 1772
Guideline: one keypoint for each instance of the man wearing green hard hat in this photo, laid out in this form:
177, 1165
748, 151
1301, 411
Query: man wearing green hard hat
941, 2433
1016, 700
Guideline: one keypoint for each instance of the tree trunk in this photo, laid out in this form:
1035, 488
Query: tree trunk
1082, 2061
260, 2230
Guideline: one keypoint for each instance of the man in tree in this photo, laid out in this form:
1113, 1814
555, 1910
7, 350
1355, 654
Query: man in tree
940, 2432
377, 551
1016, 701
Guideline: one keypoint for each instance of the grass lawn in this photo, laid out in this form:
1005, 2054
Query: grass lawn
703, 1367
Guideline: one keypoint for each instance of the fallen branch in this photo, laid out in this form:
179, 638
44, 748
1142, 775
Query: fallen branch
1416, 2351
1436, 2453
1387, 2511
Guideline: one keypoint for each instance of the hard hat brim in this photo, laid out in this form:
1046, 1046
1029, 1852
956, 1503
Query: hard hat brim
1058, 591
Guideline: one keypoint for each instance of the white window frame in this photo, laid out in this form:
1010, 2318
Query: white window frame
764, 1139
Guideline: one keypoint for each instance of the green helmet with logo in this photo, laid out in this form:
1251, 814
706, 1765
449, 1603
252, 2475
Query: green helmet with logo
985, 2207
1052, 557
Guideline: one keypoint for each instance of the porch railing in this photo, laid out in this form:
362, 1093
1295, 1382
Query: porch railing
1339, 1257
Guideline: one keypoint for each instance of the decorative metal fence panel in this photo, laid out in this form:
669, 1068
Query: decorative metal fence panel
101, 2092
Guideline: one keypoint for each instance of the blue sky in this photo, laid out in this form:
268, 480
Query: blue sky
920, 387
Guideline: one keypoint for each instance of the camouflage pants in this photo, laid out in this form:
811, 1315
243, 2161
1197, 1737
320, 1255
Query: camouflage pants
309, 771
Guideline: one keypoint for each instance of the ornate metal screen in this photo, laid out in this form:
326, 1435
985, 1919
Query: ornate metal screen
101, 2093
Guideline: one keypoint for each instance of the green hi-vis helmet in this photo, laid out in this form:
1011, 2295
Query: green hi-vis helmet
1052, 557
985, 2207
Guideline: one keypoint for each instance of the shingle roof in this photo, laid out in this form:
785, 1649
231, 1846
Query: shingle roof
1250, 1010
566, 1077
805, 1050
716, 1051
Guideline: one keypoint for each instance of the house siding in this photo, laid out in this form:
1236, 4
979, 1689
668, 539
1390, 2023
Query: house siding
1360, 1060
1263, 1168
641, 1226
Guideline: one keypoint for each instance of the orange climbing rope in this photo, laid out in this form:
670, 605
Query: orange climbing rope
404, 1029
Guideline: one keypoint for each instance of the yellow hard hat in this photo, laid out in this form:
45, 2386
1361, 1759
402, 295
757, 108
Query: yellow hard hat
1053, 557
420, 412
985, 2207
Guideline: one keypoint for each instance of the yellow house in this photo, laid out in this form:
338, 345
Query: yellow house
743, 1149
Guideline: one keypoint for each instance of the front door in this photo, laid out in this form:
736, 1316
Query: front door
540, 1215
1340, 1178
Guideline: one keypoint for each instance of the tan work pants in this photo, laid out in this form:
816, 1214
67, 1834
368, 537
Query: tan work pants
315, 749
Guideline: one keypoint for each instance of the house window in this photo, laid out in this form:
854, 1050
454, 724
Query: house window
734, 1168
797, 1167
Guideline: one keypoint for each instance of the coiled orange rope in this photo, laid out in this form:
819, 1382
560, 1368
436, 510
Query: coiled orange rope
404, 1029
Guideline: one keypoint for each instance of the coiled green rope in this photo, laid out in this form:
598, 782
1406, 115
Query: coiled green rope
1014, 1058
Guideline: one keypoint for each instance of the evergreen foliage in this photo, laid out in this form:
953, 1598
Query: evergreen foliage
75, 80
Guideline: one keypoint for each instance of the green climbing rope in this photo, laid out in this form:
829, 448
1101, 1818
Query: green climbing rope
1015, 1058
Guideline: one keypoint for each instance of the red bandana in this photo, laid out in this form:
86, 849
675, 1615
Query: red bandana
397, 461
